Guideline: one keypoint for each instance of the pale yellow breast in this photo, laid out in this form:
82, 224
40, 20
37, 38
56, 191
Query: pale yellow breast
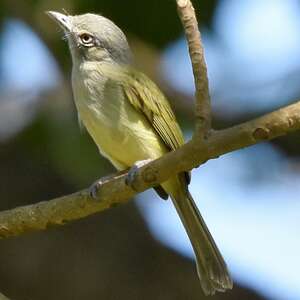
122, 134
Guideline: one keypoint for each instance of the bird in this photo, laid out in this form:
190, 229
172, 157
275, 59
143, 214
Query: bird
131, 122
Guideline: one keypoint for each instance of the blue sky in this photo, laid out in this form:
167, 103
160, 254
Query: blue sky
30, 66
253, 49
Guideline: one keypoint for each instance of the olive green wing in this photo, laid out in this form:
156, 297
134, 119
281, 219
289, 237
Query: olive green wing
146, 97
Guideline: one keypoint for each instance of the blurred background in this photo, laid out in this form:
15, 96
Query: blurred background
249, 198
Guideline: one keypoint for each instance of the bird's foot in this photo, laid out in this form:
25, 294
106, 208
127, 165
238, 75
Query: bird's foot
94, 189
132, 173
96, 186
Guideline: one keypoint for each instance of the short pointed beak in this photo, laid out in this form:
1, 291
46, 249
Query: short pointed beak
63, 21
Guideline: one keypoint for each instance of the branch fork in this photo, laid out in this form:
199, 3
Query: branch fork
206, 144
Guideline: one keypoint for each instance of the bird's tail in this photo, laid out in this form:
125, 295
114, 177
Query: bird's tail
211, 267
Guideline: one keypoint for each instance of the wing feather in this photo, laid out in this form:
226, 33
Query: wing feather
146, 97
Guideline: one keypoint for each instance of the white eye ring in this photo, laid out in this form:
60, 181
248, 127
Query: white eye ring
86, 39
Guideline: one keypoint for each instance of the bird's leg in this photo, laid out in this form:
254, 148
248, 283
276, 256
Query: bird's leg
96, 186
131, 176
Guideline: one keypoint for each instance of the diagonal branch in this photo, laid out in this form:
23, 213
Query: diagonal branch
2, 297
188, 18
115, 191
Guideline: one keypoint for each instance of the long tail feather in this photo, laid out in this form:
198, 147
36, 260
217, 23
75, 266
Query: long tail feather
211, 267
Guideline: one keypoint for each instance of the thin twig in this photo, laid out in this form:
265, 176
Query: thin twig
115, 191
188, 18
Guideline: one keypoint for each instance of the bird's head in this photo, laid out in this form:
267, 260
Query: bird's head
93, 37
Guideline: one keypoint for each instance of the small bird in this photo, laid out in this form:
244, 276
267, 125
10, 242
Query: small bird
131, 121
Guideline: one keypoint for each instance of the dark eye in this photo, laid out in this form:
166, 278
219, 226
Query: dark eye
86, 39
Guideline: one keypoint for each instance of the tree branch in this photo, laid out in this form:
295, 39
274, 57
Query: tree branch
188, 18
114, 190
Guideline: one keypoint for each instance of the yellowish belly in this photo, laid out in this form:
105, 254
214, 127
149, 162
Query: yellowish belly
122, 134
